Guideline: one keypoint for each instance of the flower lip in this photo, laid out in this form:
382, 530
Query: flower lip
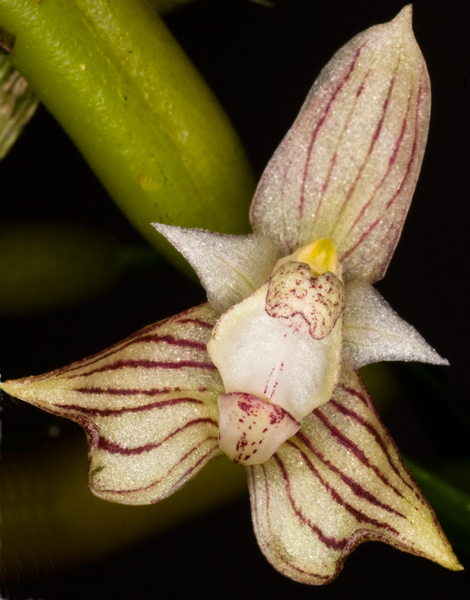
251, 429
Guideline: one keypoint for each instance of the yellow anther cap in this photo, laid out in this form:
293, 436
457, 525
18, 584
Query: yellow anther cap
320, 256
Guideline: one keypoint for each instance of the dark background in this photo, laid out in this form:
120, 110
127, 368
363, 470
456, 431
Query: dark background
261, 62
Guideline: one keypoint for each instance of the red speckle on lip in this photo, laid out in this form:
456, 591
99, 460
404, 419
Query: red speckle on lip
242, 442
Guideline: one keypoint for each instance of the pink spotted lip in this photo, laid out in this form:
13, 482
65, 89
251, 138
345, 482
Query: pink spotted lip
251, 429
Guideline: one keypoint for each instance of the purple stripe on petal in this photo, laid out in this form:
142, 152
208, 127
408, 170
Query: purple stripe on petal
357, 514
137, 339
176, 323
198, 322
354, 448
171, 341
371, 429
328, 541
260, 506
389, 241
357, 489
203, 458
194, 468
115, 412
320, 124
114, 448
360, 241
148, 364
125, 391
375, 137
413, 150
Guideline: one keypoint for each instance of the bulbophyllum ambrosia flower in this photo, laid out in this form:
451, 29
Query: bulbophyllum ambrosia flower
266, 370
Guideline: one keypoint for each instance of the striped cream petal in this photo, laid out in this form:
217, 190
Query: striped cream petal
148, 405
348, 167
337, 483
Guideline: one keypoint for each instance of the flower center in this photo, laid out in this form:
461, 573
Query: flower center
279, 353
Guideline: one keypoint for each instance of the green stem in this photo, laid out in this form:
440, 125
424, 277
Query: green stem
138, 110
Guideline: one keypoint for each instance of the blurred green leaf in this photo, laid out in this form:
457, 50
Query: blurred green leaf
48, 266
451, 504
447, 395
45, 501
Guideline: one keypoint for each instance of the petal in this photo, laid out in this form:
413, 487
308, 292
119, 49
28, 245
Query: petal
263, 356
340, 482
374, 332
148, 405
348, 167
230, 267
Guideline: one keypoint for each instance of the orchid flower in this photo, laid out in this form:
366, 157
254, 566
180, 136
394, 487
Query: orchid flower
266, 371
